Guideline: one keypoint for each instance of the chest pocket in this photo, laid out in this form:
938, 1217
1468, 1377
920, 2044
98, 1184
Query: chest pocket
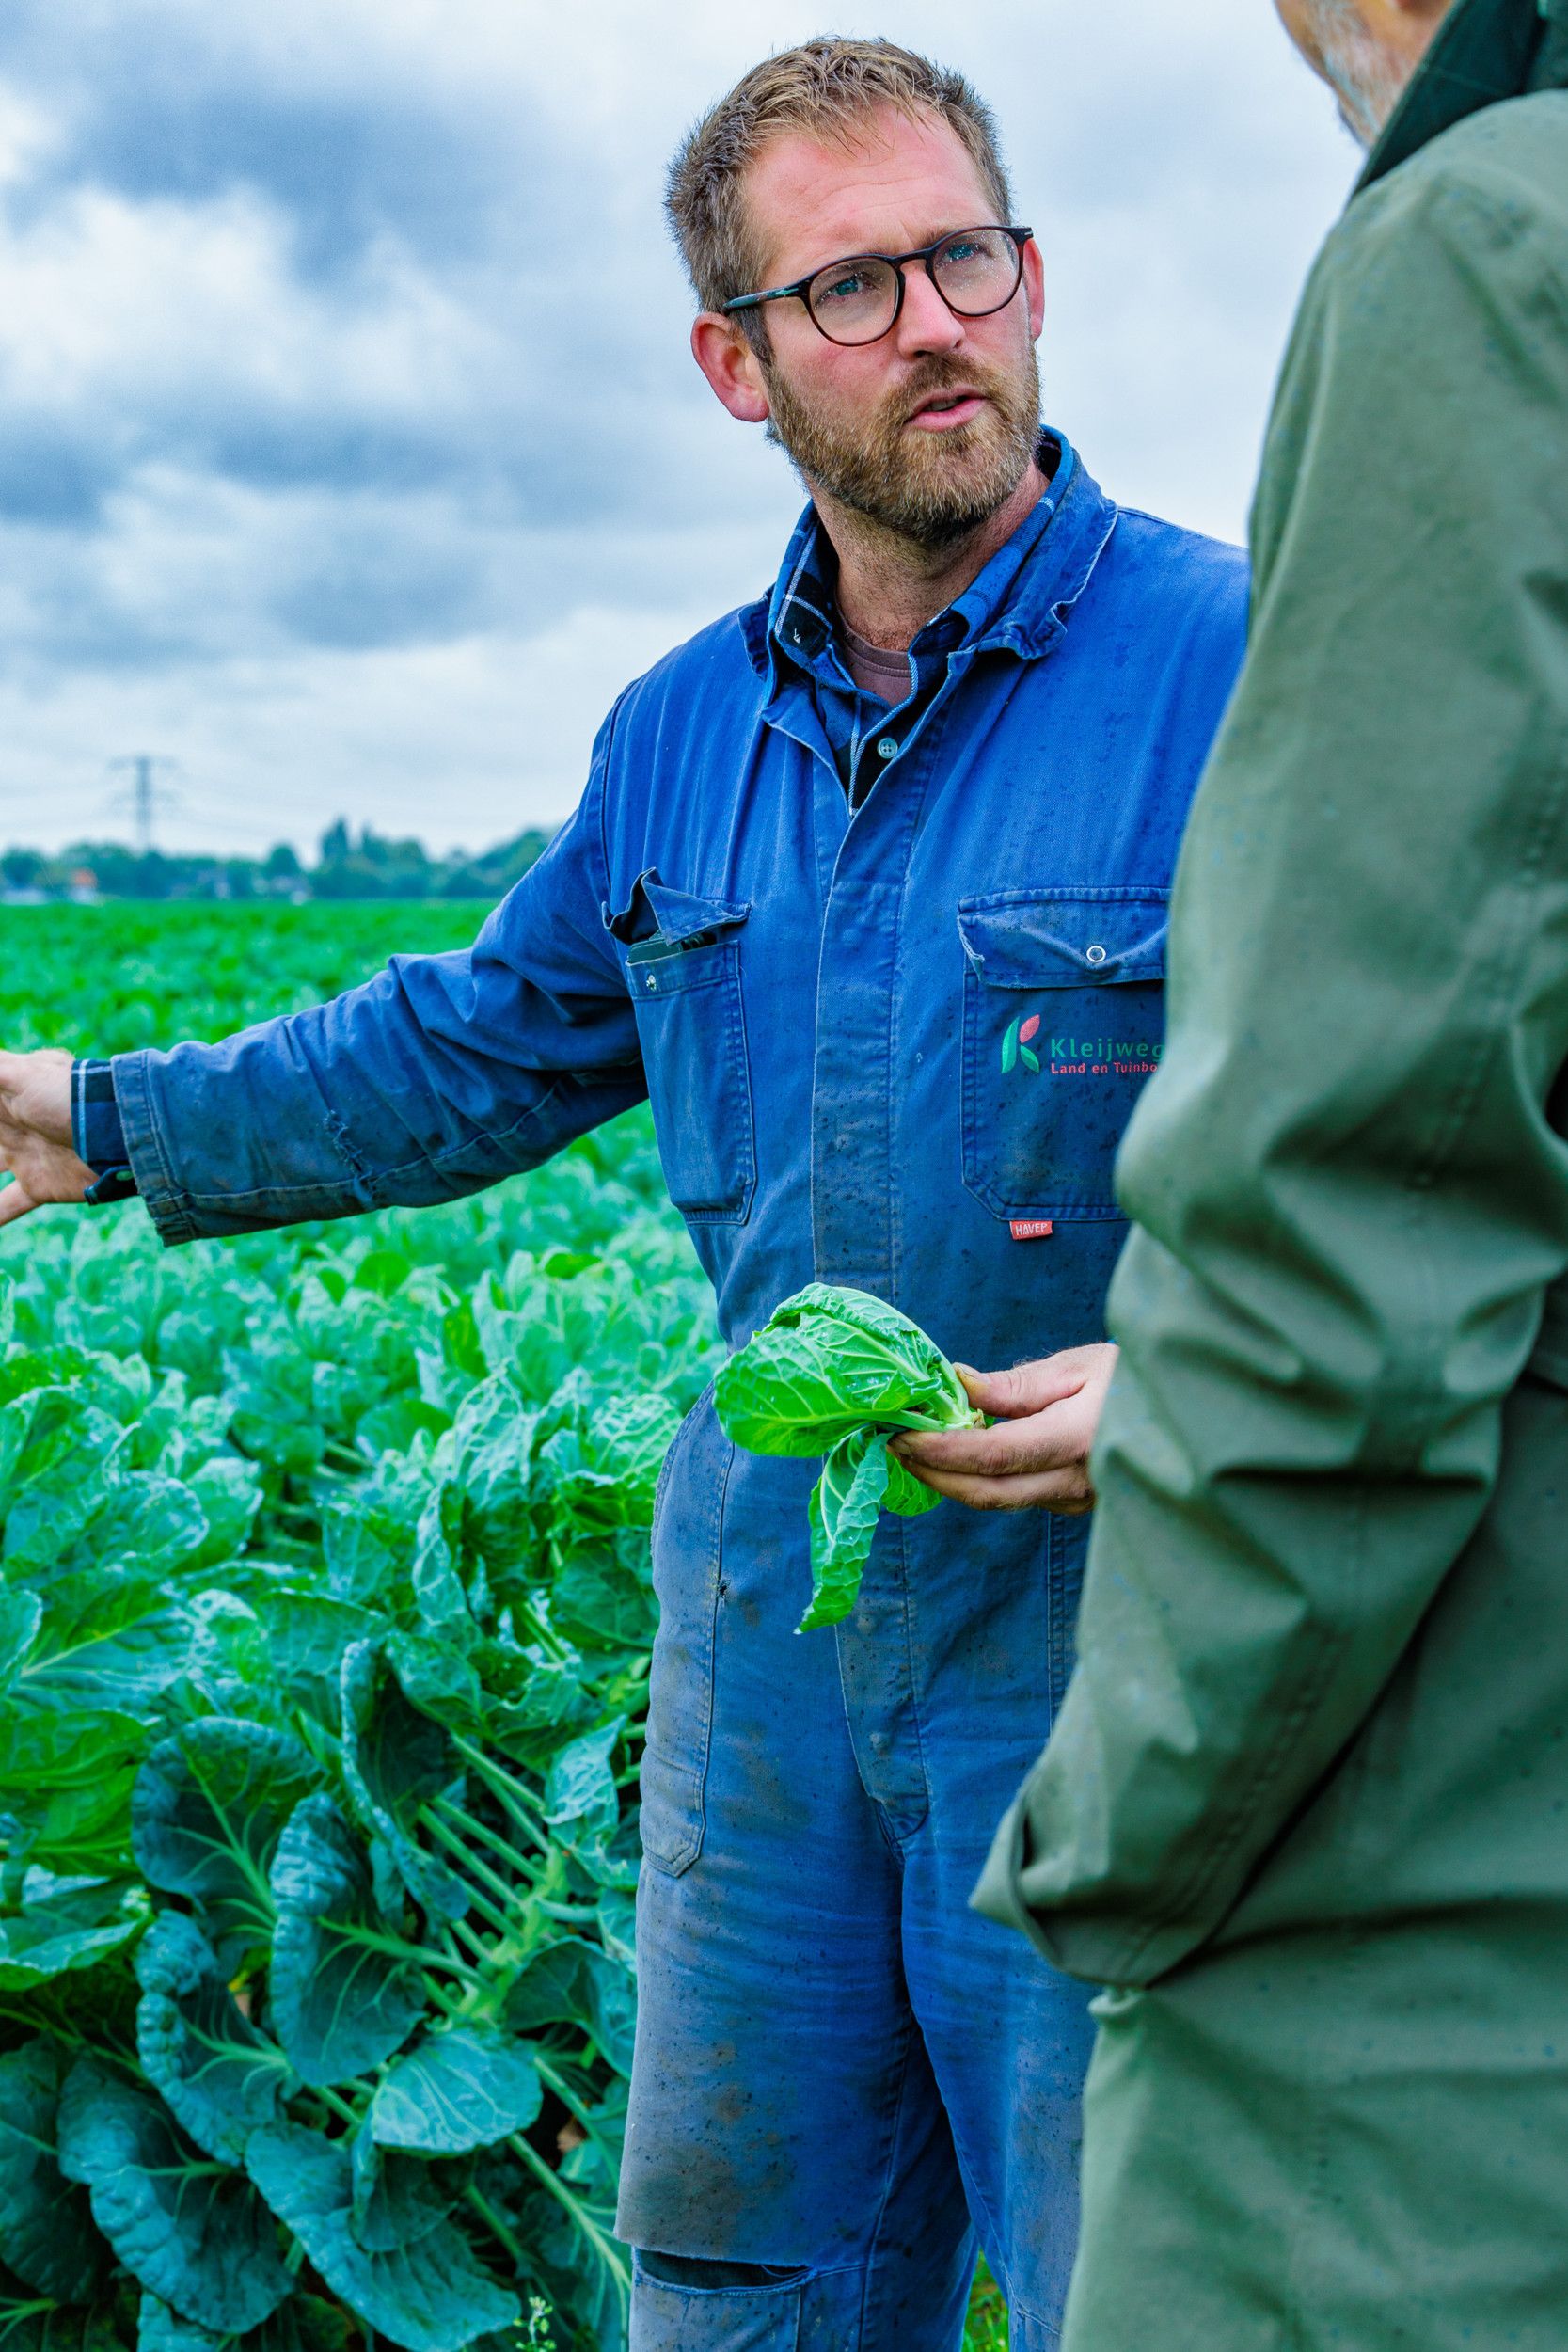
683, 972
1063, 1026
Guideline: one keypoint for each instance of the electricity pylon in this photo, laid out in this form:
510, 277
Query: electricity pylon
147, 798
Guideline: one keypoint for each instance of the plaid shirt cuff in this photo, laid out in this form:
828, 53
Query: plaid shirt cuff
97, 1131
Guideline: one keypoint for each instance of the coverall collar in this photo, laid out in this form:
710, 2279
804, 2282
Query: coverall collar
1486, 51
1019, 601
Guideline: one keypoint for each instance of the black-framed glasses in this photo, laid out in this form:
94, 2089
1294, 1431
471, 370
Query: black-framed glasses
858, 300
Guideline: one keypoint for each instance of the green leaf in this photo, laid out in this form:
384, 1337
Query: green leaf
303, 2324
368, 1549
438, 1677
21, 1615
395, 1760
47, 1367
1009, 1046
149, 1525
384, 1271
829, 1362
307, 1634
66, 1924
344, 1996
269, 1391
229, 1493
438, 1593
602, 1598
428, 2296
618, 1928
191, 2232
104, 1641
210, 1806
464, 2088
595, 2164
534, 1703
836, 1372
842, 1515
397, 2198
218, 2074
493, 1441
625, 1444
392, 1426
574, 1983
581, 1783
46, 2231
65, 1781
29, 2322
908, 1494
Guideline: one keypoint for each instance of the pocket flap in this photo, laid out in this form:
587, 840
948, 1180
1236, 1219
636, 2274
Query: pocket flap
655, 911
1064, 938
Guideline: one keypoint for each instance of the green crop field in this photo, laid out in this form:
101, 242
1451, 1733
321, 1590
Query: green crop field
324, 1620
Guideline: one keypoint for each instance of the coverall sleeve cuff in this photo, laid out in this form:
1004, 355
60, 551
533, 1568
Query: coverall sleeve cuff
167, 1204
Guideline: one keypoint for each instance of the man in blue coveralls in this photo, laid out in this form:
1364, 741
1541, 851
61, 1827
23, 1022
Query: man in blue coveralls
867, 892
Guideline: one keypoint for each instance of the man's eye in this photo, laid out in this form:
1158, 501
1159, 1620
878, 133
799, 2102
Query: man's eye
844, 289
965, 250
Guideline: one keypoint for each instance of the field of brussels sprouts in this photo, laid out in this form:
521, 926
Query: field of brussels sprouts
324, 1620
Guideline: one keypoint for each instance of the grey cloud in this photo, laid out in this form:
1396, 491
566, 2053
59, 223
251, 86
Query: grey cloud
337, 334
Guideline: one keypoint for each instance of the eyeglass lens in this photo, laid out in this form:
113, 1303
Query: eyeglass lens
977, 271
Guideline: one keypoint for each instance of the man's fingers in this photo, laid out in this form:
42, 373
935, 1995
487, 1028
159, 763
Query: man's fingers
1044, 1441
1066, 1492
1024, 1388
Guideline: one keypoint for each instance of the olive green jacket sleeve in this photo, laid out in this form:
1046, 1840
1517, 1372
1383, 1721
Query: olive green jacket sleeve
1349, 1196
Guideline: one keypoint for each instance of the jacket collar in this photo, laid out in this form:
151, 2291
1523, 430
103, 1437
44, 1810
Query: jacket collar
1486, 51
1020, 600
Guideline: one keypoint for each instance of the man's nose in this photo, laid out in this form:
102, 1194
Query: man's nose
925, 324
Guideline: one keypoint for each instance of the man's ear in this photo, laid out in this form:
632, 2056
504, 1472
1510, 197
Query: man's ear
1034, 287
721, 350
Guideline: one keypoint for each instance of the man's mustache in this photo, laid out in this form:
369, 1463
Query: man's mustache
935, 377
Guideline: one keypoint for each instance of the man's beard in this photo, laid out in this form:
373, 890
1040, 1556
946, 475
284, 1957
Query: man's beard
929, 489
1368, 84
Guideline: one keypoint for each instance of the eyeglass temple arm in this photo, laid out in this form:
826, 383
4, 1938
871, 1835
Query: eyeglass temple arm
774, 294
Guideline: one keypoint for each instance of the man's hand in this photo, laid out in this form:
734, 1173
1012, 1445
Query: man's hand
1036, 1459
34, 1133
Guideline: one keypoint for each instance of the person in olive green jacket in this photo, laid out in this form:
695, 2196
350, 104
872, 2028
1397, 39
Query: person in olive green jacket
1306, 1811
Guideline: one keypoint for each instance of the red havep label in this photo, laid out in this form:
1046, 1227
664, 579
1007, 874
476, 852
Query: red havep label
1033, 1228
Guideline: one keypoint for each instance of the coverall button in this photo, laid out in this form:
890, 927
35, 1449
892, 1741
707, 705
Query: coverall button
888, 747
1097, 955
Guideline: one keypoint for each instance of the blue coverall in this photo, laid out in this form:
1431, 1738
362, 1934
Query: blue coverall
891, 1036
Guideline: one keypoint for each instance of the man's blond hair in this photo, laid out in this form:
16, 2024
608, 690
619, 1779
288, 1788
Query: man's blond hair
830, 89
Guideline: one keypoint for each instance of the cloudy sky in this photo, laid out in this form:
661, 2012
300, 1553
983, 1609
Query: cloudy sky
351, 454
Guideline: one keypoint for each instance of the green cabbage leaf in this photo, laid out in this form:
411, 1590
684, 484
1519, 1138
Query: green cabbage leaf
838, 1373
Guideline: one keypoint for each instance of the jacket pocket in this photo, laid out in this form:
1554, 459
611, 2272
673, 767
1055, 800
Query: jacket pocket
1063, 1026
687, 1534
682, 971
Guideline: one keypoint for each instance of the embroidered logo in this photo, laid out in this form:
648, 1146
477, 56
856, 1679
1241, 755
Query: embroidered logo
1017, 1046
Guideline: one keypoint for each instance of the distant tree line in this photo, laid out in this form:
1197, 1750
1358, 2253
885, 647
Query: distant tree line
367, 865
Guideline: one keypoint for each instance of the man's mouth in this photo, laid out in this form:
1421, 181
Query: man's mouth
945, 410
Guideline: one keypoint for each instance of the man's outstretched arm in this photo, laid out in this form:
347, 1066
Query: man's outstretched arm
440, 1076
1349, 1179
